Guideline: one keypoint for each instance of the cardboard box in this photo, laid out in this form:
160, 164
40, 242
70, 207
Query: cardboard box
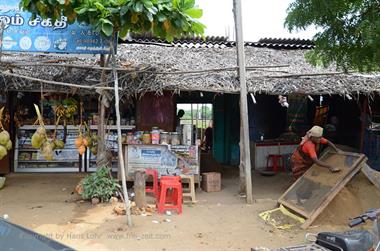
211, 182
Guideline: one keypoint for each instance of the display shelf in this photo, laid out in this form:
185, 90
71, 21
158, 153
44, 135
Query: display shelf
28, 159
36, 150
48, 161
48, 127
114, 127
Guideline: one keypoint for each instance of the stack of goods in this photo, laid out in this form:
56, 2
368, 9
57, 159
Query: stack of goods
155, 137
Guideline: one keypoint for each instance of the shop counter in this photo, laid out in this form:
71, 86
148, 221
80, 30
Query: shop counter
261, 150
167, 159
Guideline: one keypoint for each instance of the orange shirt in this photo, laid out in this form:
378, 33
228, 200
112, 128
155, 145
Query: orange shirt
309, 148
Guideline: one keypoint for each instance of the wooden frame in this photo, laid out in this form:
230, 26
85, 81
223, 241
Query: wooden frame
329, 196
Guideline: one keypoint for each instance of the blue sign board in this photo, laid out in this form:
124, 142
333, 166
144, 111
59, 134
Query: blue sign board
38, 35
150, 153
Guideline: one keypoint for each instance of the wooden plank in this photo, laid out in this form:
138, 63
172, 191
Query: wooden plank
330, 197
295, 209
372, 175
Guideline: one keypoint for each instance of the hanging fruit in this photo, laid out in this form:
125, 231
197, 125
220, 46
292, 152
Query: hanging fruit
5, 139
58, 144
41, 141
91, 140
79, 143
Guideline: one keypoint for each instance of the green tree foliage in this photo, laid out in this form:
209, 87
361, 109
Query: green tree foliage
164, 18
350, 34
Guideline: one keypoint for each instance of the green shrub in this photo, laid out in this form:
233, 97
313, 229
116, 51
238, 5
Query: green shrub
99, 185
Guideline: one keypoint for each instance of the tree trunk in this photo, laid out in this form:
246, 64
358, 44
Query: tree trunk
102, 158
139, 183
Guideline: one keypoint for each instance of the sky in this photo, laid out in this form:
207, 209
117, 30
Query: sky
261, 18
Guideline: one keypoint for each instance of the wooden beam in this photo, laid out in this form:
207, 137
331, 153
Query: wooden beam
364, 123
244, 150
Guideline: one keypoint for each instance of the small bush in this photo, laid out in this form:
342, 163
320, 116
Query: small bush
99, 185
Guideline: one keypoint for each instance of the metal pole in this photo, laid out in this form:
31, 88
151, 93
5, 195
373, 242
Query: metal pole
243, 99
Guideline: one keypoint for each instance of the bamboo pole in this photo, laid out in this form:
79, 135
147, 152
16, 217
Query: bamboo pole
55, 82
244, 150
136, 69
119, 138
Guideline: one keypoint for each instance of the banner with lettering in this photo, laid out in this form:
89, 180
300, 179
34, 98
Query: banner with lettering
43, 35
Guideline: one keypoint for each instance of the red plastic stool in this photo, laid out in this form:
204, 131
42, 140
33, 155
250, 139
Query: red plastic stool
277, 162
168, 178
175, 178
172, 200
152, 189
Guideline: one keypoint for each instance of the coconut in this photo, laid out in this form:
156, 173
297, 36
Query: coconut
87, 141
47, 150
48, 156
94, 150
79, 142
82, 150
37, 140
8, 146
59, 144
3, 152
94, 137
4, 137
41, 130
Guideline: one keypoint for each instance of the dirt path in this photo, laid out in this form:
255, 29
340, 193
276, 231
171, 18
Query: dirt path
219, 221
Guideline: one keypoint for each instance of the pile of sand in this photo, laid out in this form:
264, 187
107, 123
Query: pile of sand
355, 198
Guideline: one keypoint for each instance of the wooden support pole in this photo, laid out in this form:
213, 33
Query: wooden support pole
363, 126
139, 182
244, 146
242, 184
119, 139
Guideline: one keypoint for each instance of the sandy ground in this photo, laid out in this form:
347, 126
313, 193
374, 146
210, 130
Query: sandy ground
219, 221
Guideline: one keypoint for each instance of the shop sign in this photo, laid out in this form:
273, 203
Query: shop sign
43, 35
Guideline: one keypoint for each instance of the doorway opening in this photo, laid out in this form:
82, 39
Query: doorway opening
196, 119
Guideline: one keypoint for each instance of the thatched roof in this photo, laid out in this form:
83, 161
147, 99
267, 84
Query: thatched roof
167, 67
